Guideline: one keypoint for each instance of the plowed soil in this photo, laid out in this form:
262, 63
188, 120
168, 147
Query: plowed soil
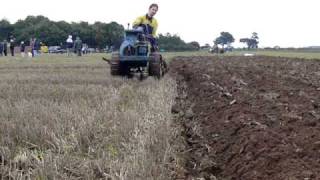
249, 118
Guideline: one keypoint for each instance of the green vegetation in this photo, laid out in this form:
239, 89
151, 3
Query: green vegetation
280, 53
53, 59
252, 42
291, 54
97, 35
224, 38
54, 33
170, 42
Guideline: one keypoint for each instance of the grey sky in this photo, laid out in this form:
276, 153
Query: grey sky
285, 23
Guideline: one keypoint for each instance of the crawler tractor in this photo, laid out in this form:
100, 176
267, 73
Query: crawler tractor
136, 56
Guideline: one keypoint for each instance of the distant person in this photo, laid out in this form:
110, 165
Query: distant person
149, 25
32, 42
12, 44
69, 42
5, 47
84, 48
1, 48
78, 46
37, 47
22, 48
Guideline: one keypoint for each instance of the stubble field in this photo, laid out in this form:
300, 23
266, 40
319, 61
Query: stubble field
67, 118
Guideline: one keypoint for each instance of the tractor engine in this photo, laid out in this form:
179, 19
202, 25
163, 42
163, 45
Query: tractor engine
135, 56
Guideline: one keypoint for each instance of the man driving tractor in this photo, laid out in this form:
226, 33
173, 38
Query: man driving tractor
149, 25
138, 52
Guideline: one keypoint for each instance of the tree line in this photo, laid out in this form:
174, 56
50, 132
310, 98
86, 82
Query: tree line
169, 42
97, 35
54, 33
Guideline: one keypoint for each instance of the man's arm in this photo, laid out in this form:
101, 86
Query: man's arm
155, 27
137, 22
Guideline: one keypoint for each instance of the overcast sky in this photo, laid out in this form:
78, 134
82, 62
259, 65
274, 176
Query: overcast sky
287, 23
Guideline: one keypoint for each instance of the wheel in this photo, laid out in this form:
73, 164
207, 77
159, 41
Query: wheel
115, 64
155, 65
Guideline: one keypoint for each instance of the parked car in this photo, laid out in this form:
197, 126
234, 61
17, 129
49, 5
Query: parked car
56, 49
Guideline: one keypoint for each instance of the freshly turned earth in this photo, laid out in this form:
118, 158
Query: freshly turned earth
249, 118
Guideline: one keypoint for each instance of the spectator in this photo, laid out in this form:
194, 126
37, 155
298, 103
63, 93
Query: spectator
37, 46
22, 48
32, 41
12, 44
69, 45
84, 49
1, 48
5, 47
78, 46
